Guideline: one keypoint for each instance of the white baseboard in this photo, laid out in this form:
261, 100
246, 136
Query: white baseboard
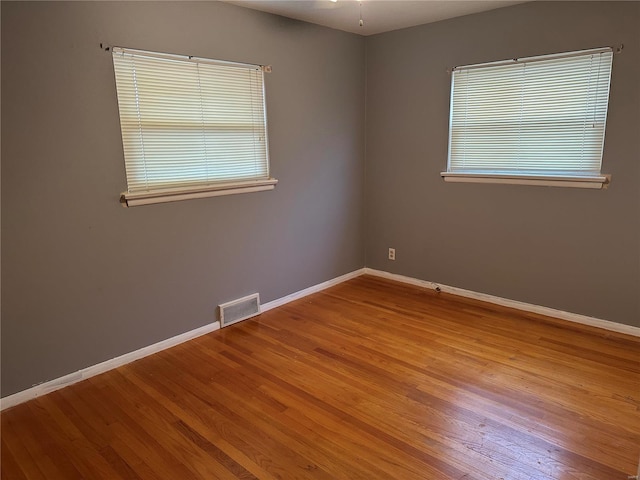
70, 379
527, 307
312, 289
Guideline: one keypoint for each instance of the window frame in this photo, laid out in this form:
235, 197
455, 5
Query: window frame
548, 178
188, 186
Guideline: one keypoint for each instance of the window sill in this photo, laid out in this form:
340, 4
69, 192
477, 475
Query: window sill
595, 181
174, 195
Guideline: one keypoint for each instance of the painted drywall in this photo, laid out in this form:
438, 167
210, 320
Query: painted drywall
84, 279
569, 249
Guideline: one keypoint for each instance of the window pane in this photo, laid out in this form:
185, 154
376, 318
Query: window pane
538, 116
187, 122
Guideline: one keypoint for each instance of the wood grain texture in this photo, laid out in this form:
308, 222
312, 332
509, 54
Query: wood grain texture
368, 379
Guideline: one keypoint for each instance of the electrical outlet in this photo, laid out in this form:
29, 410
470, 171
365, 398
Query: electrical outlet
392, 254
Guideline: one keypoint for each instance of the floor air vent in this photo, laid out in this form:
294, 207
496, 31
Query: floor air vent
240, 309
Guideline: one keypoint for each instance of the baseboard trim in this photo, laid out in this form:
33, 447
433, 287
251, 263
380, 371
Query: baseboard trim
313, 289
75, 377
70, 379
527, 307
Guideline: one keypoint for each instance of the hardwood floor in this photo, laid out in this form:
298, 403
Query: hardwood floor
370, 379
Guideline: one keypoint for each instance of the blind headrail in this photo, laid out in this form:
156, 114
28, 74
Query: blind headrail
539, 58
182, 58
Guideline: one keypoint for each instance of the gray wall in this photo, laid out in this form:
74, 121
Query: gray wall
570, 249
85, 280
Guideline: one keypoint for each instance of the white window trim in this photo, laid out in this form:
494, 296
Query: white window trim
174, 195
592, 182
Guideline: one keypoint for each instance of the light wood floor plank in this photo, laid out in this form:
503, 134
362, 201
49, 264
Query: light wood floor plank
368, 379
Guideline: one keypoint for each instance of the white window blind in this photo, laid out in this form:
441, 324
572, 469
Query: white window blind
190, 124
540, 116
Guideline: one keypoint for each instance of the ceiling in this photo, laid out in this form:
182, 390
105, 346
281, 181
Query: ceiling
378, 15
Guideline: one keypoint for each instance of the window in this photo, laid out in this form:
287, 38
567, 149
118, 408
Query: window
191, 127
538, 120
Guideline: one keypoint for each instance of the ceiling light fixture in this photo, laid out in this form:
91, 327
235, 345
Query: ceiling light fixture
361, 23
